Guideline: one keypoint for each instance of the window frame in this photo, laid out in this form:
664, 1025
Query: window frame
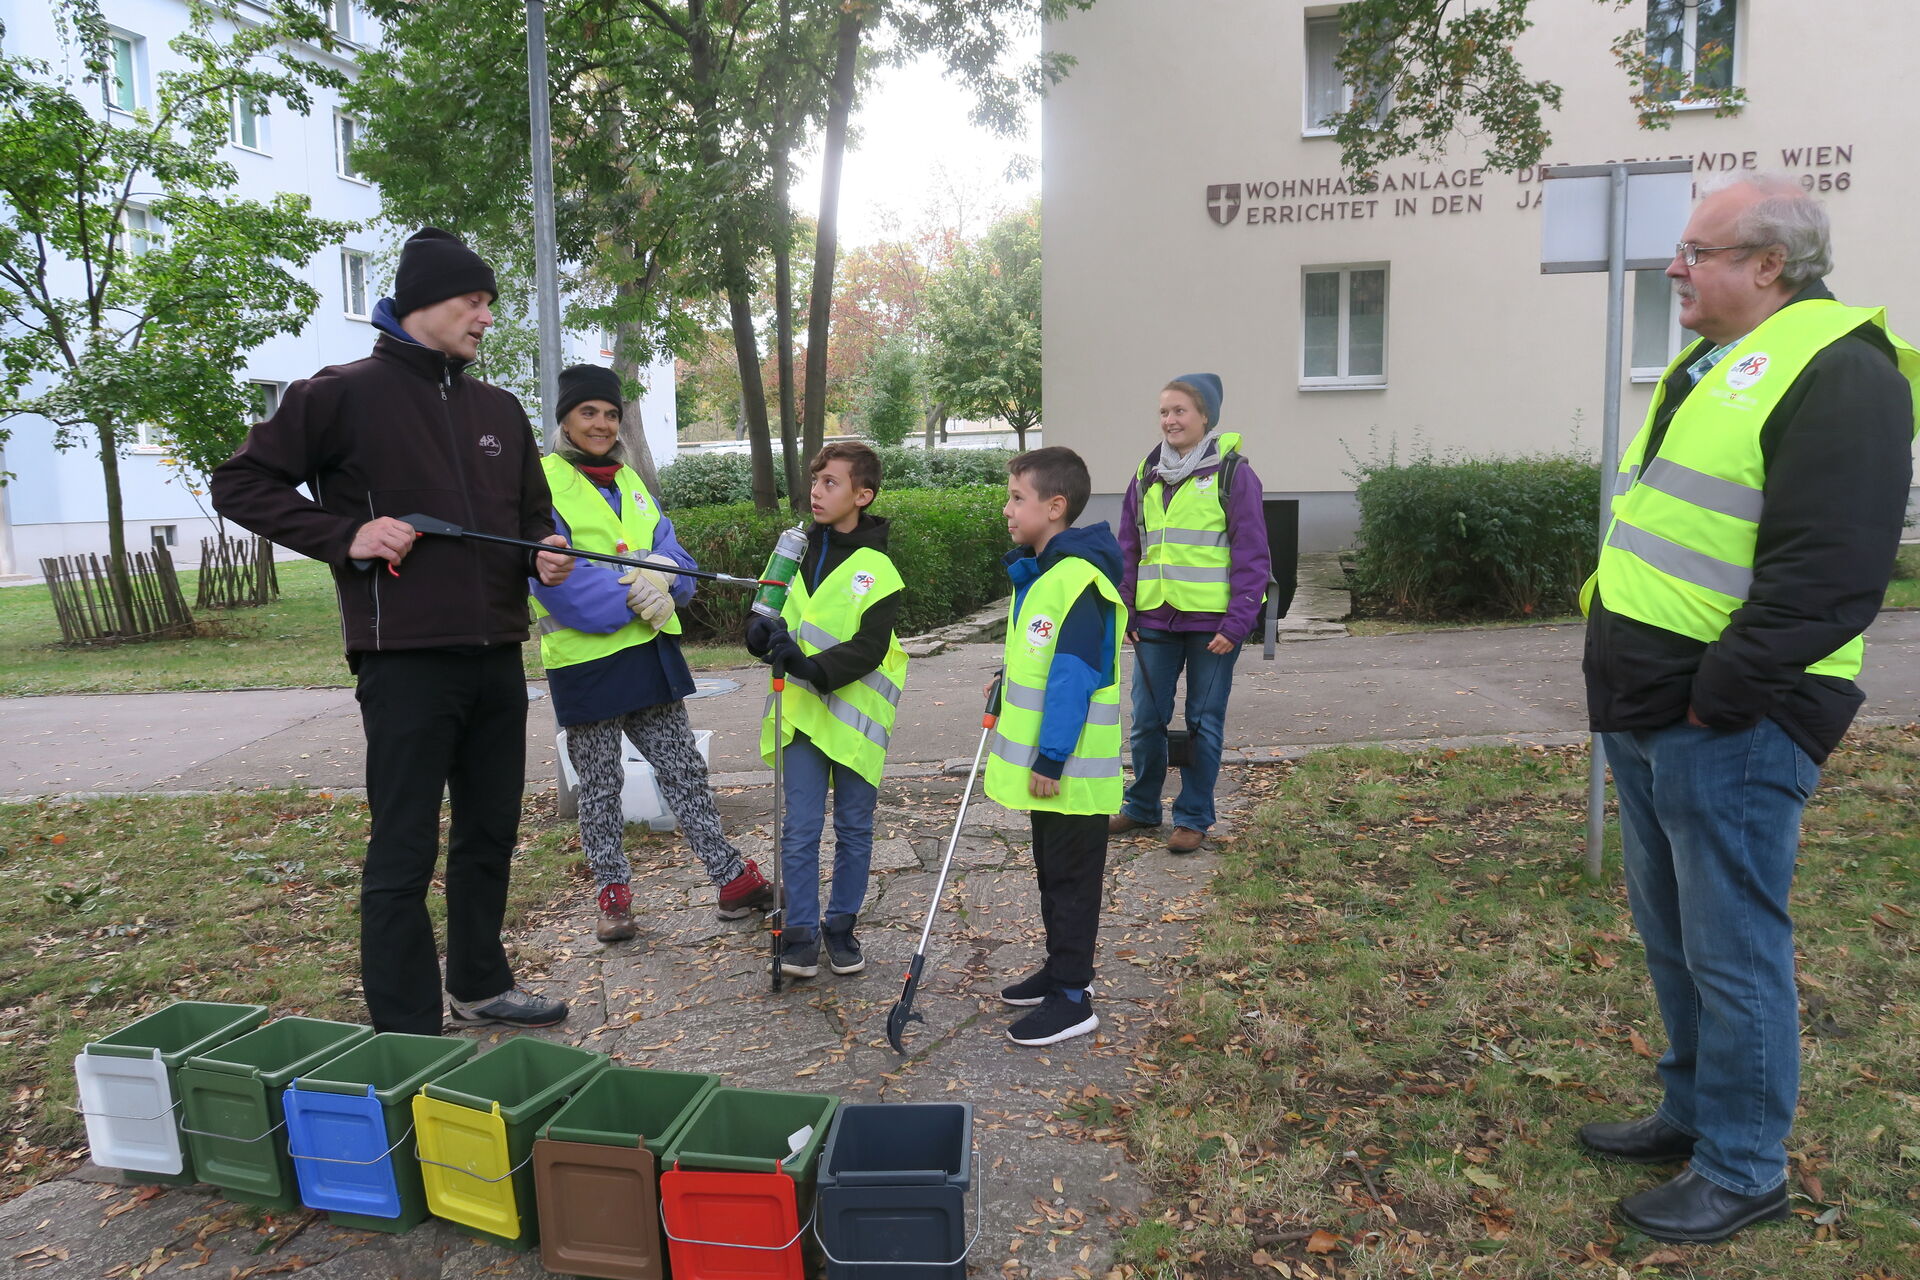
134, 243
347, 258
1690, 49
346, 21
275, 390
1310, 17
260, 146
146, 439
136, 69
343, 150
170, 539
1345, 381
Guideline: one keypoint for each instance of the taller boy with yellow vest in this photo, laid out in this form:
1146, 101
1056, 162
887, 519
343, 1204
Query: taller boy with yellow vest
845, 673
1056, 753
1754, 527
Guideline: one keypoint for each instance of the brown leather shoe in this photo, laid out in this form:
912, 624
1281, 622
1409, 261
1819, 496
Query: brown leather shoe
616, 914
1185, 840
1120, 823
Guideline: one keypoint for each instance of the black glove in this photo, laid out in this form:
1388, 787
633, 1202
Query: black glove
761, 631
787, 650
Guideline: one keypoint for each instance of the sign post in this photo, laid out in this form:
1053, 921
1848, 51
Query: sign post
1613, 218
546, 248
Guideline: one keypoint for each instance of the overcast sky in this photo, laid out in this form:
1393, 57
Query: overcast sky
918, 162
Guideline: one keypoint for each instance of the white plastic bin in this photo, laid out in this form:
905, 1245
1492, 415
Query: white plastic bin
640, 798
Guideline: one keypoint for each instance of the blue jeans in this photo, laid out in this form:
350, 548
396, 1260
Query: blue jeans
1710, 821
807, 772
1157, 660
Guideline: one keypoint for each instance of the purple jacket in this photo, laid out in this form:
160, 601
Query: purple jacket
1246, 579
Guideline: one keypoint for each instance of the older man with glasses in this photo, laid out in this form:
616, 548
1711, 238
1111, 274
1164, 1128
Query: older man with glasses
1755, 522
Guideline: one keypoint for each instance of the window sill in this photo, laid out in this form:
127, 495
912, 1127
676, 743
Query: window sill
1344, 384
1646, 375
150, 450
1306, 132
362, 319
347, 177
1707, 106
252, 151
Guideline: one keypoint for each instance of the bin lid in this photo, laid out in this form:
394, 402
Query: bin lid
129, 1109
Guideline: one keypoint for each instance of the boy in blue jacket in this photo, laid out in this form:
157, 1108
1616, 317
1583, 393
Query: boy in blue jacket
1056, 753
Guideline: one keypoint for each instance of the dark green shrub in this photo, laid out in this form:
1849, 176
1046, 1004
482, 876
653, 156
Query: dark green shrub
947, 544
709, 480
1452, 537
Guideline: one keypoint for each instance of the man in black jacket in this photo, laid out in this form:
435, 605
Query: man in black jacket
1755, 525
436, 648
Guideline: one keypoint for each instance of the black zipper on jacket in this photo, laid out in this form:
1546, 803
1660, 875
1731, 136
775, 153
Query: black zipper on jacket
466, 491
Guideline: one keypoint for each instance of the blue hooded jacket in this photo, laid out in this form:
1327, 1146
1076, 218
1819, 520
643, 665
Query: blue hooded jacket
1084, 658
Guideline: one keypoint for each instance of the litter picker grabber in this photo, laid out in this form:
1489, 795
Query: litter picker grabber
777, 917
902, 1012
424, 524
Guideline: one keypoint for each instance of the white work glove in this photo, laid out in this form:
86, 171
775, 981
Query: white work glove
647, 595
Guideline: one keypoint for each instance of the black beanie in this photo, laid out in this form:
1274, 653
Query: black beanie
436, 265
582, 382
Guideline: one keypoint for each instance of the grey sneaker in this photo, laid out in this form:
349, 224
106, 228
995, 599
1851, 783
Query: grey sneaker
514, 1007
799, 954
843, 949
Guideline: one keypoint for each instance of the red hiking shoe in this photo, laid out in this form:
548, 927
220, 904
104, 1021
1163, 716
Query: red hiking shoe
746, 892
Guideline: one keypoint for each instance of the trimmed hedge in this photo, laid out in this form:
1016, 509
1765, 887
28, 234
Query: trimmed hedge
947, 544
1450, 537
712, 479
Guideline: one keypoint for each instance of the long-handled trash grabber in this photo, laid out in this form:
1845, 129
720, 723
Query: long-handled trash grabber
777, 917
902, 1012
446, 529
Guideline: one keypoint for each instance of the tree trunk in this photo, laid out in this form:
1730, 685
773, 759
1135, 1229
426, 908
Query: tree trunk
783, 323
633, 428
117, 563
826, 245
746, 354
936, 423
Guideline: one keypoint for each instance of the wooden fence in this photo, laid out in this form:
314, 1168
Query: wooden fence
236, 573
91, 607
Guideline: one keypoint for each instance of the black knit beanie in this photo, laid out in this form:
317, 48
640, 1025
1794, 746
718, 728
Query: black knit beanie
436, 265
582, 382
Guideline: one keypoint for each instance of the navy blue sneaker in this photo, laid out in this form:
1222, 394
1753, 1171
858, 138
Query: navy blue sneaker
799, 954
1058, 1018
843, 949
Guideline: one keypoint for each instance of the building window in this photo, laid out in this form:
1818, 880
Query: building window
353, 283
1692, 39
1657, 335
346, 136
139, 230
249, 124
263, 399
167, 535
121, 88
147, 438
344, 19
1343, 327
1327, 91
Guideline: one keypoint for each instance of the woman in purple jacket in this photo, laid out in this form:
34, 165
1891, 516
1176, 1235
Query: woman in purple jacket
1194, 541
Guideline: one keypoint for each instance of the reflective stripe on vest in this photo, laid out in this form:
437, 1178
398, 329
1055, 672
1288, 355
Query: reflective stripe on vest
596, 526
1090, 782
1679, 553
1185, 560
854, 723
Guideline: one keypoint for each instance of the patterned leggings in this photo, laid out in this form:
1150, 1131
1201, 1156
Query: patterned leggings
665, 738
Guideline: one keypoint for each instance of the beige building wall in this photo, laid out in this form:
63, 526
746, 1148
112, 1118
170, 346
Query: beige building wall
1483, 353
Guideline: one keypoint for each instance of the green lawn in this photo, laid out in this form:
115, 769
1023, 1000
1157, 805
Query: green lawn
1904, 591
107, 917
291, 643
1407, 999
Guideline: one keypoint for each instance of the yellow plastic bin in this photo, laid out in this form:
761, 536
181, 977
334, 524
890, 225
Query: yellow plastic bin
476, 1127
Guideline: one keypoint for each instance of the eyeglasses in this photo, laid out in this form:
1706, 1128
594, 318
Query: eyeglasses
1689, 252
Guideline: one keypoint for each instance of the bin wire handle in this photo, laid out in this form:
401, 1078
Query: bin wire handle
979, 1225
110, 1115
301, 1155
262, 1137
730, 1244
470, 1173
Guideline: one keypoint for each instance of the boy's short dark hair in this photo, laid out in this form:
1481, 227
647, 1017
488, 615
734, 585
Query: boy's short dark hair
1055, 472
863, 464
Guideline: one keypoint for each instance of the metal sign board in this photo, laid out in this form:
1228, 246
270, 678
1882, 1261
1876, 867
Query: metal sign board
1576, 200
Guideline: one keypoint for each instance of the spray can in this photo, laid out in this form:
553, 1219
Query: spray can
781, 565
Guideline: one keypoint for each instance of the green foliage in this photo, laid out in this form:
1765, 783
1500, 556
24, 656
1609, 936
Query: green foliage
153, 328
983, 314
713, 479
1451, 537
890, 392
947, 544
709, 480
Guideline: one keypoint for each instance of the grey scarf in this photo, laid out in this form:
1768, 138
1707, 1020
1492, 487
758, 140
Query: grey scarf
1171, 473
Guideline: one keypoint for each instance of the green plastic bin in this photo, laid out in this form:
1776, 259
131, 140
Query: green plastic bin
595, 1175
388, 1069
747, 1131
234, 1118
130, 1109
476, 1127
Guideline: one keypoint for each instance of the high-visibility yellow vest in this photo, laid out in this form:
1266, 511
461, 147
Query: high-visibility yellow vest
1679, 552
1185, 558
596, 526
854, 723
1090, 782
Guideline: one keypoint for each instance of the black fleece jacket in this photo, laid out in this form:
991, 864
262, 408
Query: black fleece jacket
1838, 452
866, 649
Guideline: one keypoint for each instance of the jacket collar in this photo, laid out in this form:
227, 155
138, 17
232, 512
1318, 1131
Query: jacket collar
429, 363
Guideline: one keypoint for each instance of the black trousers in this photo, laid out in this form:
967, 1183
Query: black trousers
1070, 859
438, 720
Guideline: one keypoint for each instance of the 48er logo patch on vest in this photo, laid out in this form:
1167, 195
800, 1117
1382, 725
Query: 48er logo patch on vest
1090, 783
1679, 553
595, 526
1185, 557
854, 723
